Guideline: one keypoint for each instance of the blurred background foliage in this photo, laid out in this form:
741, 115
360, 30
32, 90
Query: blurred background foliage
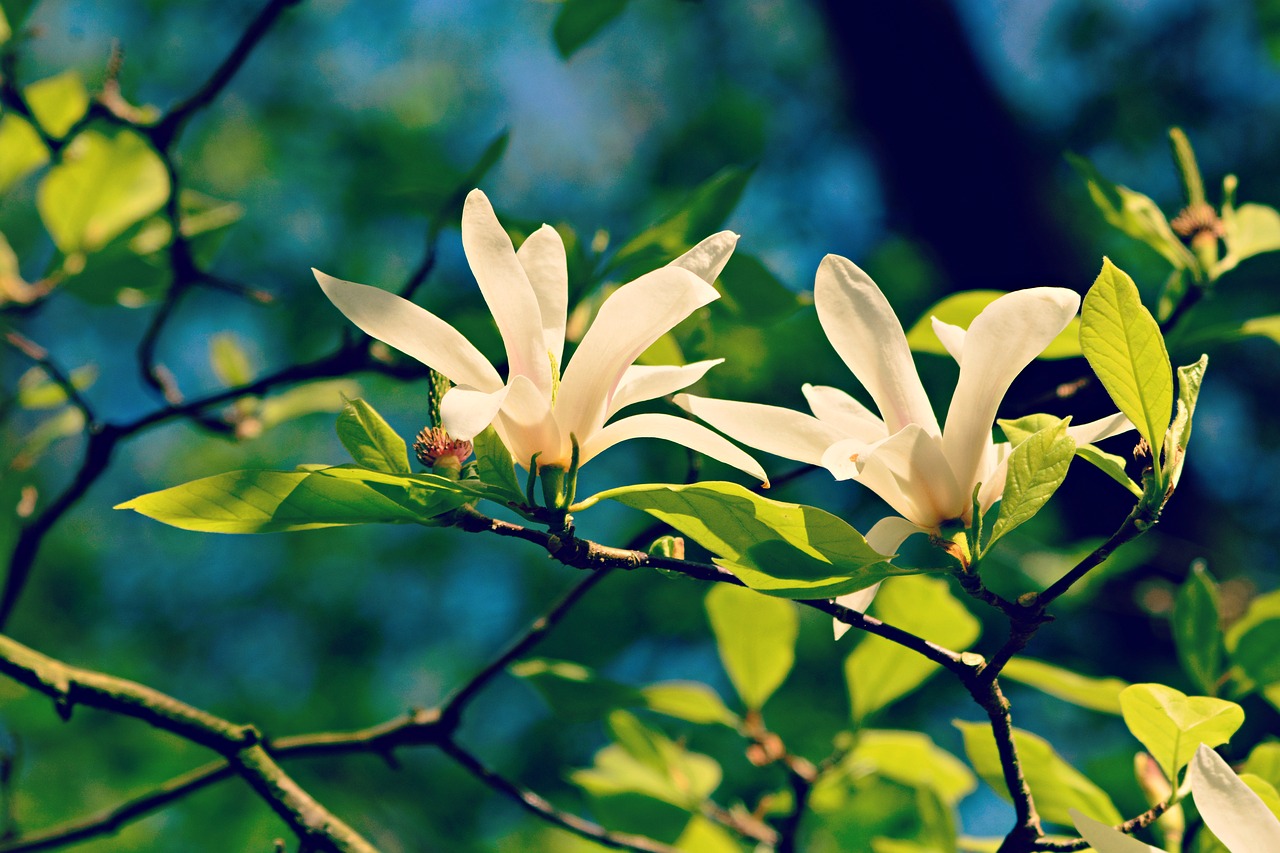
922, 139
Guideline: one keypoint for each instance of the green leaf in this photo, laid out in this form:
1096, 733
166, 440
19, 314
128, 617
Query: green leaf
703, 836
878, 671
58, 102
578, 21
691, 701
274, 501
20, 149
756, 636
644, 761
960, 309
1264, 762
1124, 347
701, 215
754, 293
1251, 642
1058, 786
913, 759
573, 691
1036, 468
1135, 214
102, 186
37, 391
1171, 724
325, 396
370, 440
1250, 229
1019, 430
496, 467
1096, 694
229, 361
1190, 378
784, 549
1197, 629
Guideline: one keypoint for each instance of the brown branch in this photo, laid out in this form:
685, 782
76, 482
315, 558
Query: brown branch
39, 356
1143, 820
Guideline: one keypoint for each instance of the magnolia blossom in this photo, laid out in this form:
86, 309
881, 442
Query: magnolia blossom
538, 411
925, 472
1229, 807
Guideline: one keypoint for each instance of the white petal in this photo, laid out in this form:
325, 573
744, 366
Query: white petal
909, 472
885, 536
844, 413
678, 430
506, 290
773, 429
993, 480
465, 412
646, 382
1001, 341
708, 258
414, 331
542, 256
1106, 839
1229, 807
952, 337
631, 319
868, 337
1100, 429
529, 426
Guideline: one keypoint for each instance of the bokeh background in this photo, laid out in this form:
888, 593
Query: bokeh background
923, 139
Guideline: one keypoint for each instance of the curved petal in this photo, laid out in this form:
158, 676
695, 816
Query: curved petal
993, 481
909, 472
885, 536
529, 426
708, 258
1106, 839
867, 335
542, 256
1100, 429
844, 413
631, 319
773, 429
1230, 807
411, 329
678, 430
506, 290
645, 382
1001, 341
465, 412
952, 337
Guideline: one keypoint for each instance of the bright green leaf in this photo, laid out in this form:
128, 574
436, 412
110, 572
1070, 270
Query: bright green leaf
274, 501
913, 759
37, 391
960, 309
879, 671
1096, 694
756, 636
703, 836
1135, 214
328, 395
1124, 347
229, 360
1058, 786
1110, 464
1171, 724
102, 186
1037, 467
1197, 629
1190, 378
572, 690
789, 550
1249, 230
370, 440
578, 21
1264, 762
496, 467
58, 102
691, 701
644, 761
1252, 639
21, 149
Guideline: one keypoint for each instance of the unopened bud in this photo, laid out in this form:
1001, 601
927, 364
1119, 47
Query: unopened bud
436, 450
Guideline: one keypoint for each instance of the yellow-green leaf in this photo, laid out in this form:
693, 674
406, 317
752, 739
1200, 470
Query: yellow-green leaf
58, 102
1124, 347
1036, 469
756, 636
1096, 694
21, 149
370, 440
103, 186
1171, 724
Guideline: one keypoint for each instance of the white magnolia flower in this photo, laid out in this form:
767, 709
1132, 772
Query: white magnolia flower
925, 472
537, 411
1230, 808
